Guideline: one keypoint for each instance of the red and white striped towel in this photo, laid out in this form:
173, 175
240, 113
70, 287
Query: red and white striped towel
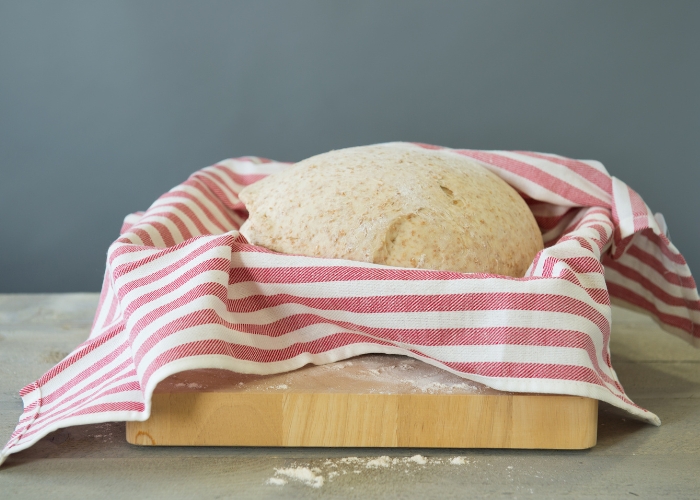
183, 290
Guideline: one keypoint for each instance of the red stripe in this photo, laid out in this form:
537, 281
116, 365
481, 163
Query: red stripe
659, 293
497, 301
224, 240
218, 202
143, 236
259, 159
241, 179
658, 266
112, 310
639, 211
128, 225
159, 273
90, 371
663, 244
249, 353
217, 186
415, 337
105, 377
591, 174
329, 274
59, 410
123, 246
87, 348
539, 177
639, 301
163, 231
103, 295
534, 370
196, 292
549, 223
204, 191
175, 219
585, 264
190, 214
395, 303
131, 406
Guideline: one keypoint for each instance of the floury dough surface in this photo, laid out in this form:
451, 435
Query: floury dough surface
395, 204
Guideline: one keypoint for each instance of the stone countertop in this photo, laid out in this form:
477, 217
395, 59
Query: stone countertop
631, 459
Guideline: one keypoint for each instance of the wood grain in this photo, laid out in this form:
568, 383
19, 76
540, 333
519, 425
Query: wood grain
371, 401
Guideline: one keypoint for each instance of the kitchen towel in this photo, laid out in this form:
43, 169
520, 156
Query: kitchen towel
183, 290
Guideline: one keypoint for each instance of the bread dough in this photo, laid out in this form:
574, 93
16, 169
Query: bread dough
395, 204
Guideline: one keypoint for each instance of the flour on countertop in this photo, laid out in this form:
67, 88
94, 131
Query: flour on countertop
279, 386
303, 475
277, 481
379, 462
191, 385
335, 467
411, 373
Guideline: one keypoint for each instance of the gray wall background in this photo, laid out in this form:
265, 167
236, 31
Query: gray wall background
106, 105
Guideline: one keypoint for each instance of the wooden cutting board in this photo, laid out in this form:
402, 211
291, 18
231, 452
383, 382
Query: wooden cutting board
369, 401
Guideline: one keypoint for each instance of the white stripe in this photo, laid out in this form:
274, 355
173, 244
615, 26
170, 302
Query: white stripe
379, 288
216, 212
264, 259
79, 389
221, 252
314, 332
644, 243
62, 405
223, 182
680, 311
563, 173
248, 168
199, 303
390, 320
160, 262
103, 310
623, 206
175, 233
657, 279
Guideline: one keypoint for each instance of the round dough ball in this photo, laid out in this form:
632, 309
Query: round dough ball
395, 204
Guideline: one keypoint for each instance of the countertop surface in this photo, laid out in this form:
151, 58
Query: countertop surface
632, 459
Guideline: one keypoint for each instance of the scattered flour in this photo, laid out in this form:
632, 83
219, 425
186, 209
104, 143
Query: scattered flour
379, 462
280, 386
191, 385
423, 377
314, 476
277, 481
303, 475
338, 365
438, 387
